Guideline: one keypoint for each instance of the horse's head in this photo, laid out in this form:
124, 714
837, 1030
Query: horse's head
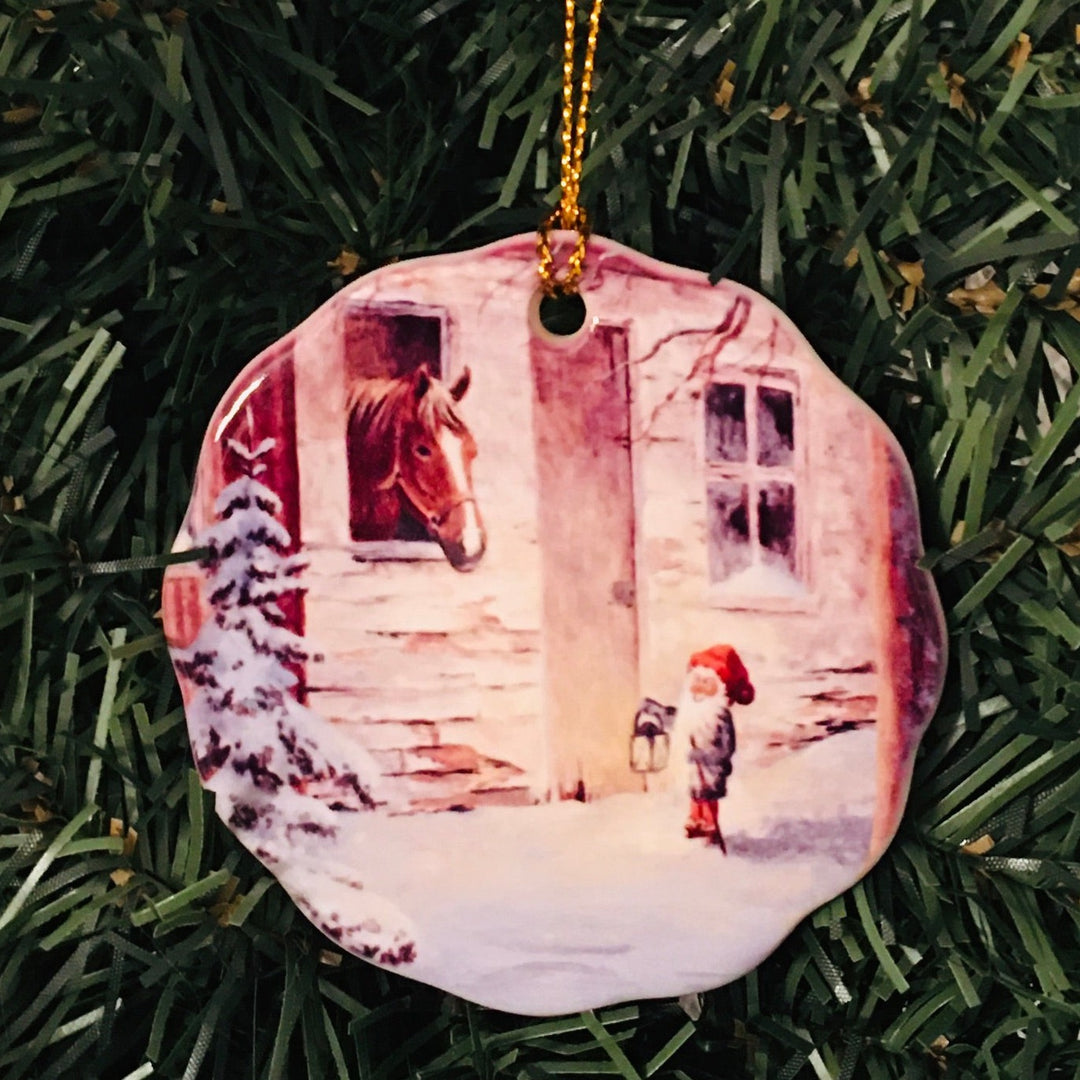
434, 467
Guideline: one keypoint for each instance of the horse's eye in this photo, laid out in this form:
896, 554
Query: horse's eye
424, 451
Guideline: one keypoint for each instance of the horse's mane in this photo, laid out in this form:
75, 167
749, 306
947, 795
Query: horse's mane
376, 408
438, 409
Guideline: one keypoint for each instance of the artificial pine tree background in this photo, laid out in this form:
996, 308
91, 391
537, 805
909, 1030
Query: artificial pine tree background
182, 184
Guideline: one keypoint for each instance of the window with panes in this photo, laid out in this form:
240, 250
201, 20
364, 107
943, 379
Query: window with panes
752, 481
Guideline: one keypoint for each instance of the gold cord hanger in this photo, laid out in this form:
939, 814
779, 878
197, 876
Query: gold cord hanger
568, 214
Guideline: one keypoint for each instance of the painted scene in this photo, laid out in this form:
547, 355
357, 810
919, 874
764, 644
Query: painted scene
553, 671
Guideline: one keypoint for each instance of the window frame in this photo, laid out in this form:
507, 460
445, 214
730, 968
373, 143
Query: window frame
754, 476
400, 551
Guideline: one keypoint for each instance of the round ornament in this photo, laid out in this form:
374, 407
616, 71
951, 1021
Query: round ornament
552, 670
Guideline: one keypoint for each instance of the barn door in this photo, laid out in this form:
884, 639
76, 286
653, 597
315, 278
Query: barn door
270, 412
586, 521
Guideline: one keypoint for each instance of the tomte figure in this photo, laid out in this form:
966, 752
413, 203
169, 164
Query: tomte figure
716, 678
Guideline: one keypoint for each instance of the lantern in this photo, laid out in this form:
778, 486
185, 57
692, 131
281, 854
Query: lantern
651, 741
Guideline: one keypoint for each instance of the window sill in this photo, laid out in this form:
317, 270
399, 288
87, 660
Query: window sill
735, 600
762, 588
397, 551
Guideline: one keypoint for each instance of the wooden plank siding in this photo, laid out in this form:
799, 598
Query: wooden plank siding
519, 681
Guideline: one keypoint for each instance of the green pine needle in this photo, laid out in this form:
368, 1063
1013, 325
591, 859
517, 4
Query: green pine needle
175, 187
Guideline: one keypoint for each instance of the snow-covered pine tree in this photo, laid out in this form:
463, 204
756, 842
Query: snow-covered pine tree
281, 772
279, 763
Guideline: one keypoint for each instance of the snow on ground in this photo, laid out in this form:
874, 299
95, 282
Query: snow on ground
564, 906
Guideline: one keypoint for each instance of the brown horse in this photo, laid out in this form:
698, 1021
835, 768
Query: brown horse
410, 457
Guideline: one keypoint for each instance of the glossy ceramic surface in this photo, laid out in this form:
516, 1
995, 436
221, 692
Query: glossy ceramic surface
554, 671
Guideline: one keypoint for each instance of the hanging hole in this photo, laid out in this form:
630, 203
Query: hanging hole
562, 314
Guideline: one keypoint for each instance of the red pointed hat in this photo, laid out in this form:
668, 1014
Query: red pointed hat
724, 660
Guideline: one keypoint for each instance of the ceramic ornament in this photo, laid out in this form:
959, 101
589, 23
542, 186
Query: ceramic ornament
553, 671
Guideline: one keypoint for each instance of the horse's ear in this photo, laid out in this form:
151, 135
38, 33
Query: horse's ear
457, 391
421, 381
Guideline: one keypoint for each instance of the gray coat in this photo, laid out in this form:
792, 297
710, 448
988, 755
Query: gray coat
710, 764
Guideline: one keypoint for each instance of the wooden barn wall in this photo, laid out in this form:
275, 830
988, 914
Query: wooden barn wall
814, 661
441, 668
445, 669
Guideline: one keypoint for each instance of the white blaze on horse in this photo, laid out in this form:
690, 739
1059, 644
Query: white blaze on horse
411, 455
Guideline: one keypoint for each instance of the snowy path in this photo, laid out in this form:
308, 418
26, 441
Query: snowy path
553, 908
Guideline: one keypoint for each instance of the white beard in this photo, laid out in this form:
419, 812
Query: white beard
695, 719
